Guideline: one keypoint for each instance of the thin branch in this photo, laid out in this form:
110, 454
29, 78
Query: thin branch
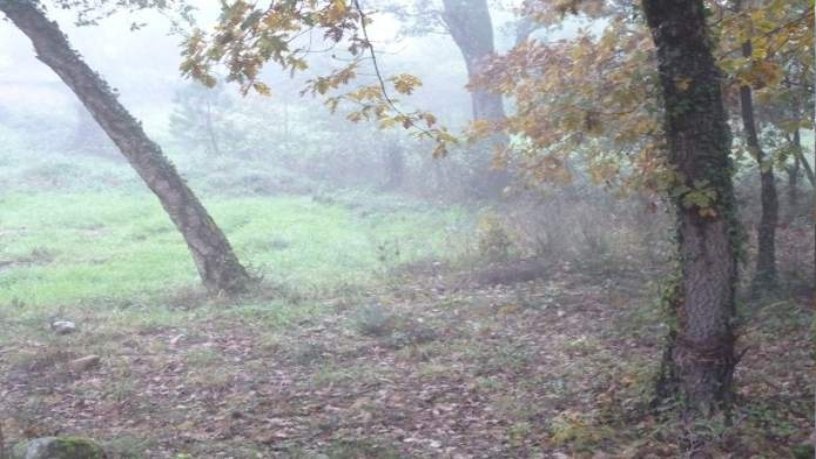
378, 73
374, 56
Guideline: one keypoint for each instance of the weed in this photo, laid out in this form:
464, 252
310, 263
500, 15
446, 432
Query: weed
576, 429
308, 353
518, 433
494, 242
373, 320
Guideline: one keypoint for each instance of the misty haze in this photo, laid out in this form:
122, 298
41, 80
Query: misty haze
407, 229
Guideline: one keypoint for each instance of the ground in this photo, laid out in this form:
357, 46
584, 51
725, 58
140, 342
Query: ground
424, 358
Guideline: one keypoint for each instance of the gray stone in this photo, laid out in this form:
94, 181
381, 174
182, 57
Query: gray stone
63, 327
58, 448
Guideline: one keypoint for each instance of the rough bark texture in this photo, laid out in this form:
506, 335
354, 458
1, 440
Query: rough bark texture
701, 355
470, 26
765, 275
217, 264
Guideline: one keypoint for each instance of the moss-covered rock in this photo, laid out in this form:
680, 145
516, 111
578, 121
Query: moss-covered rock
58, 448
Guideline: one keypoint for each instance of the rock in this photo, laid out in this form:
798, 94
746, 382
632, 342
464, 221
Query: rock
63, 327
84, 363
58, 448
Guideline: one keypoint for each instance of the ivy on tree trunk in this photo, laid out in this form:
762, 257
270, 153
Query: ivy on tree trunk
700, 360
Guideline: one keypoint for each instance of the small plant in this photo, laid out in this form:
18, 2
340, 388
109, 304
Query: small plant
576, 429
372, 320
308, 353
388, 252
411, 333
494, 242
519, 432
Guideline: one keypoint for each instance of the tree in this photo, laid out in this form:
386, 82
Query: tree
767, 51
765, 275
471, 28
214, 258
701, 358
469, 24
199, 119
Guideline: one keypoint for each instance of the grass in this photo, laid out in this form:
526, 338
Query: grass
78, 247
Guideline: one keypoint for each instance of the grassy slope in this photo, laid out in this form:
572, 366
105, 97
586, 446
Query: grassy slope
63, 248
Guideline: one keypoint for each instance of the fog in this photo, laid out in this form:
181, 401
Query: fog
142, 66
531, 229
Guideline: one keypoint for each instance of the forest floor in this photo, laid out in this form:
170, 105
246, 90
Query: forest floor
423, 358
558, 366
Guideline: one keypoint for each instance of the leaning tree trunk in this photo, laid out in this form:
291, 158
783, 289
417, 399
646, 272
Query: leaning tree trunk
469, 23
700, 360
765, 275
217, 264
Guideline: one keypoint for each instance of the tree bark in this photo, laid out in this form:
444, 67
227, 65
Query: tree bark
765, 276
215, 260
471, 27
794, 170
700, 358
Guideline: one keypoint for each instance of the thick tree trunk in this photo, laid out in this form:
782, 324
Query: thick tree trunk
765, 275
217, 264
701, 356
471, 27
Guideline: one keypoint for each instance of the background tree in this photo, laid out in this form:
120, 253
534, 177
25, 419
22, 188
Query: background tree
470, 25
214, 258
761, 42
200, 119
765, 274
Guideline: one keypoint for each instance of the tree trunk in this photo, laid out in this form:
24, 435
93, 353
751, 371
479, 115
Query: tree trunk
217, 264
394, 165
209, 125
471, 27
794, 170
700, 358
765, 275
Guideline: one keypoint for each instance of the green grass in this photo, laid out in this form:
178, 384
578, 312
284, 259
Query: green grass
60, 249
